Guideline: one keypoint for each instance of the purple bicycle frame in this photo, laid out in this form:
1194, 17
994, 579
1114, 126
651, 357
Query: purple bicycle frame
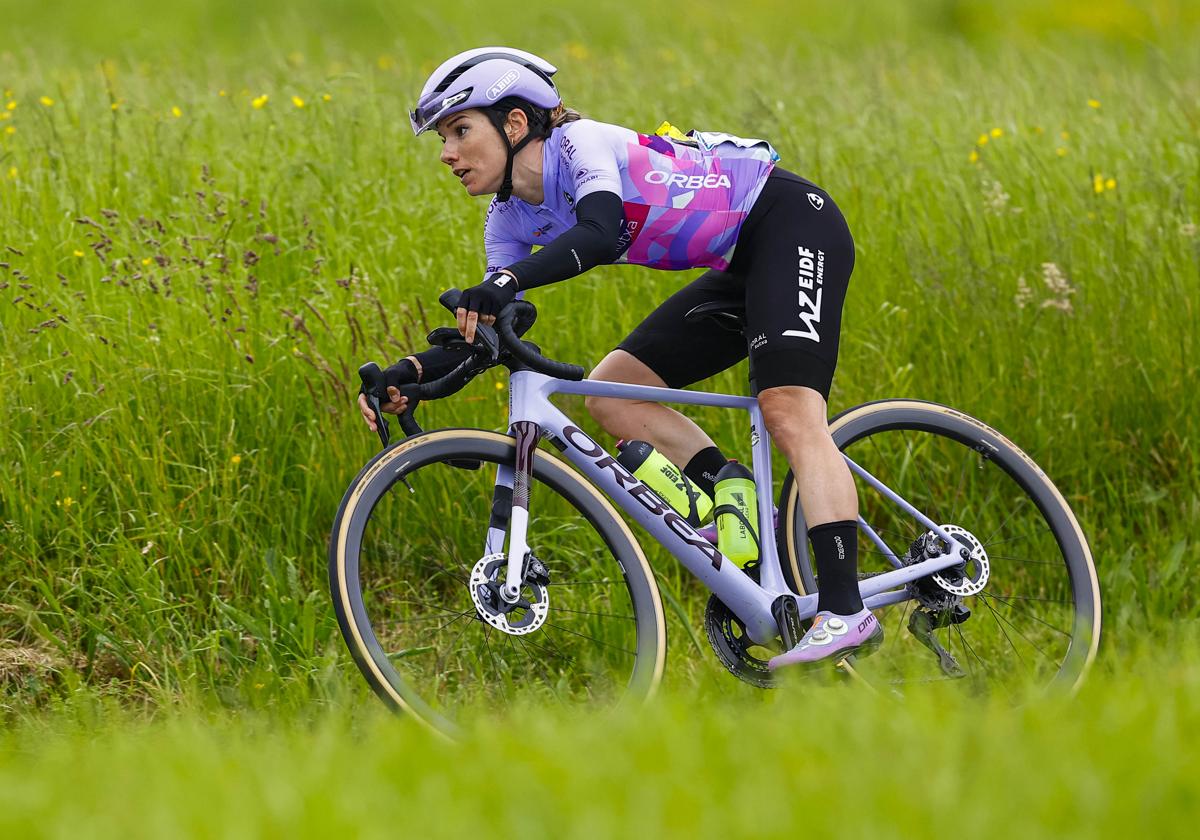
531, 413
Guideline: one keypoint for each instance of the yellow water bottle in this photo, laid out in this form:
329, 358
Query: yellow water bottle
737, 513
652, 468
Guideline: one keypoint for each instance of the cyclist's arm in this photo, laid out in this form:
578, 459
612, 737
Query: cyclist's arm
591, 242
588, 162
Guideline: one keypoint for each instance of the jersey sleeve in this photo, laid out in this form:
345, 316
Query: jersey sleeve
589, 160
502, 239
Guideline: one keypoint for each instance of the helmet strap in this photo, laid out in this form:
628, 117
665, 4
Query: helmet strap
498, 120
506, 188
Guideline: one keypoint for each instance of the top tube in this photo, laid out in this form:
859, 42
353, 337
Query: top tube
622, 390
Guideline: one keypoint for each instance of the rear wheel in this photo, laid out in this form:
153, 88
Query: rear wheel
416, 596
1023, 613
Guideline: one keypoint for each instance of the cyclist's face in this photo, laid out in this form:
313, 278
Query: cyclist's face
474, 151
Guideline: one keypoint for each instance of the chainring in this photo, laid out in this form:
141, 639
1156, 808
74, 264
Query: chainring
732, 646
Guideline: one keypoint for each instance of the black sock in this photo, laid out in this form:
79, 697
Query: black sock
835, 550
703, 468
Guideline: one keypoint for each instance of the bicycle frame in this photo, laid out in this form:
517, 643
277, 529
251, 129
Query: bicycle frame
532, 415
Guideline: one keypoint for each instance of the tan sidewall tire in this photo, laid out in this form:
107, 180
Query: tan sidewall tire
854, 423
383, 470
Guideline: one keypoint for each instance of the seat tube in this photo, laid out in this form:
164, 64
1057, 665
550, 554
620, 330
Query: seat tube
770, 573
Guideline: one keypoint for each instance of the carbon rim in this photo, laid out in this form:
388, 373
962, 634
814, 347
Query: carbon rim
398, 562
1037, 623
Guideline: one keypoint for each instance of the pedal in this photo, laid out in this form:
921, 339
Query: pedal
786, 613
922, 624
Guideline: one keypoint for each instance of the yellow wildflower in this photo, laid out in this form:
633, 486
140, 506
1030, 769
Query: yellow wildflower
1110, 183
1093, 103
221, 93
297, 101
47, 101
67, 502
260, 101
78, 253
982, 141
4, 115
997, 132
1066, 135
176, 112
12, 129
973, 157
1061, 151
146, 261
12, 172
12, 105
1098, 184
326, 97
499, 386
56, 474
235, 460
116, 105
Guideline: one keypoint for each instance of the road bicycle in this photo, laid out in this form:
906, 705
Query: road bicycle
460, 589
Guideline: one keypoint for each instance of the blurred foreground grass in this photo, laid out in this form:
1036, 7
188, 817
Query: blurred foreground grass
1112, 762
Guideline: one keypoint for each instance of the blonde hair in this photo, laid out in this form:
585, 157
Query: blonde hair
560, 115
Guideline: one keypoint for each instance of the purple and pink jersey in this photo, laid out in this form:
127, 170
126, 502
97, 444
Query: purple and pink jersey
684, 202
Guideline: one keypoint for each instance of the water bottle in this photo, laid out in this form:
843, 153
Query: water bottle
737, 513
652, 468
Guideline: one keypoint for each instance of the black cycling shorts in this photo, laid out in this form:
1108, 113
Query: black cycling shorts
792, 266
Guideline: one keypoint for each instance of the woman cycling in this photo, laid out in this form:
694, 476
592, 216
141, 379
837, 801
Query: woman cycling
592, 194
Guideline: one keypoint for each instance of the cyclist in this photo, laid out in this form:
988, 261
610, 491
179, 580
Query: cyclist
590, 194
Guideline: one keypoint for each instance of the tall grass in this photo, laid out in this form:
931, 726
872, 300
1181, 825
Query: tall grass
211, 221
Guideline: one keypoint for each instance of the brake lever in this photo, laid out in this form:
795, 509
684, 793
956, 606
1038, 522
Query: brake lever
486, 345
372, 385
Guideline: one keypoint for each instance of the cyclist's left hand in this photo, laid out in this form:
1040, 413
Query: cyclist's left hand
484, 302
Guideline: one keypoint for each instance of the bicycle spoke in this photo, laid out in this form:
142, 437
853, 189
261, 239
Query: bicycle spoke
1015, 629
1028, 614
592, 638
599, 614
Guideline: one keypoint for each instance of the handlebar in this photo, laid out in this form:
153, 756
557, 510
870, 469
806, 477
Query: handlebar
513, 321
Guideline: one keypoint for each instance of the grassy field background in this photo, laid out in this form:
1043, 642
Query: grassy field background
211, 215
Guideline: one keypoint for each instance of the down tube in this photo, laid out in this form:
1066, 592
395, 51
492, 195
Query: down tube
737, 591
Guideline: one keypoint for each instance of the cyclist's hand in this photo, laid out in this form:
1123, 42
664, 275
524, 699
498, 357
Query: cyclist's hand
484, 302
403, 372
396, 405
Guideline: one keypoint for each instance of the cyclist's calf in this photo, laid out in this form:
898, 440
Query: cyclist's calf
795, 417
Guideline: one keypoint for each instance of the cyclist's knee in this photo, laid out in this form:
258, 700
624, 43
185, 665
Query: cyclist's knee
618, 366
795, 416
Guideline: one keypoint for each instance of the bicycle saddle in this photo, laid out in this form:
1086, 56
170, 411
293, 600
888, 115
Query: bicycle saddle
729, 313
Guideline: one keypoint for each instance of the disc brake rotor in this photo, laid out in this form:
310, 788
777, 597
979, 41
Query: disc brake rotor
972, 575
517, 619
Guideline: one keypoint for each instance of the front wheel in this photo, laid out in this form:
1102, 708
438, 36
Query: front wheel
1034, 620
415, 592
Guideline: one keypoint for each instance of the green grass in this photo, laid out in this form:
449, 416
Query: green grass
1110, 763
184, 301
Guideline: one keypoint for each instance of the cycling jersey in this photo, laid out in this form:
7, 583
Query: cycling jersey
684, 202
